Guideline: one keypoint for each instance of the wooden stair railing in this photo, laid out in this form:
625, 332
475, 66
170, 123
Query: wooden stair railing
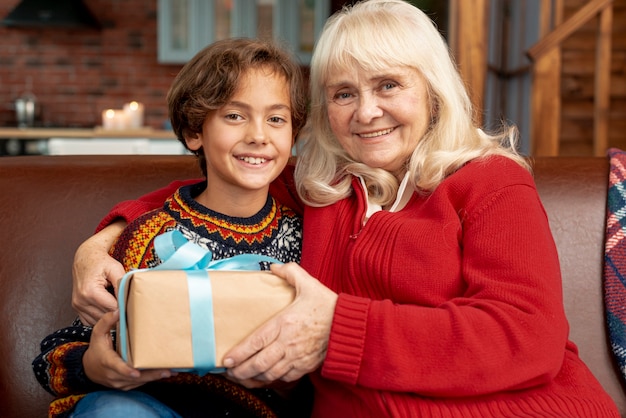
546, 57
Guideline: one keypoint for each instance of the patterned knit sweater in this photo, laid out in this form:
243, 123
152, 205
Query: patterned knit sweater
274, 231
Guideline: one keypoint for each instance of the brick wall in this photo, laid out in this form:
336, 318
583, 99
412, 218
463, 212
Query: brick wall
76, 73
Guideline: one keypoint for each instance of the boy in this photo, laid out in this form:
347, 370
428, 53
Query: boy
238, 106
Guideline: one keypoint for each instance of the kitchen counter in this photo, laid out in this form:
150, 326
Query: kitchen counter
65, 141
44, 133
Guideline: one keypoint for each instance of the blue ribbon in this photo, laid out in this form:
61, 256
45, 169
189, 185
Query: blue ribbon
202, 326
177, 253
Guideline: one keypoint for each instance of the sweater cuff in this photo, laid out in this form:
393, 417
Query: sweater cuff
73, 379
347, 339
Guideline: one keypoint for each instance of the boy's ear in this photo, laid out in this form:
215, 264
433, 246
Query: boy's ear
193, 141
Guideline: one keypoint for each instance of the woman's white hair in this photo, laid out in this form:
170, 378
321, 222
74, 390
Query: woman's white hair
377, 35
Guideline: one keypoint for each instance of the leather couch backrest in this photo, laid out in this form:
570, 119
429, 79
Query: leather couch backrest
49, 205
573, 191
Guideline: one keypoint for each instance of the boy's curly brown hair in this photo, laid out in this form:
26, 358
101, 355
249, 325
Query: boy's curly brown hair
209, 80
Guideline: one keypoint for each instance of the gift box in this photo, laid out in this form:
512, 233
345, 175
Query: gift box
188, 320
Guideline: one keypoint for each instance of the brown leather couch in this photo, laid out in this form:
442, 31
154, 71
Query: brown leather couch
49, 205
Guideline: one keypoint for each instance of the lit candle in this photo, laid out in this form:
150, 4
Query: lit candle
134, 114
114, 119
108, 117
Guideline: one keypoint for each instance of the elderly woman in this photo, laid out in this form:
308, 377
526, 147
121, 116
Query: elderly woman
429, 283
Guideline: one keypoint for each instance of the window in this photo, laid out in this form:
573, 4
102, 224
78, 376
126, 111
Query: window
186, 26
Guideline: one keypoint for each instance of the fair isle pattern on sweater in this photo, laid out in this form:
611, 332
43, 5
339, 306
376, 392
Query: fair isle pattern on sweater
275, 231
615, 256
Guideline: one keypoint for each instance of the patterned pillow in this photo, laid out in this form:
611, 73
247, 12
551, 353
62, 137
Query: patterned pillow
615, 256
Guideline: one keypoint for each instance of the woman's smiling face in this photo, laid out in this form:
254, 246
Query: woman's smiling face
378, 118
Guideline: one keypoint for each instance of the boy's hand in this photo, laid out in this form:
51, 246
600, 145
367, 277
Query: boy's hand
103, 365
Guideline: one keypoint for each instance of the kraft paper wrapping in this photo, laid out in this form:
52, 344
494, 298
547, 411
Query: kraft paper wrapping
158, 314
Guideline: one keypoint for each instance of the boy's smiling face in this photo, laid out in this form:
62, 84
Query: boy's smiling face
247, 142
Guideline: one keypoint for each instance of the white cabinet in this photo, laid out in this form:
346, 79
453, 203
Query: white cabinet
108, 146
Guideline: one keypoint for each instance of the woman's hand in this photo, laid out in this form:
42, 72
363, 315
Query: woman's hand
291, 344
93, 271
104, 366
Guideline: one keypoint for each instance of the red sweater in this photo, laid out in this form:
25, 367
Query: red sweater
451, 307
